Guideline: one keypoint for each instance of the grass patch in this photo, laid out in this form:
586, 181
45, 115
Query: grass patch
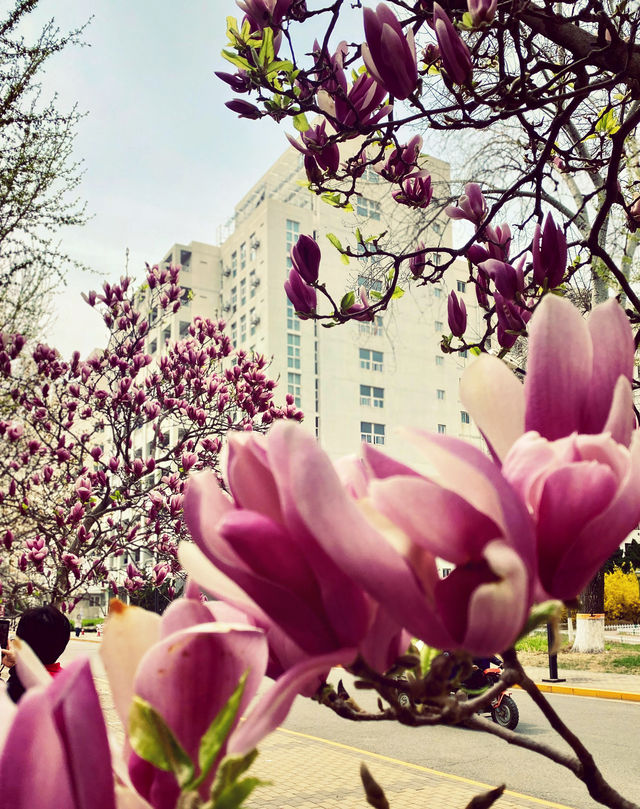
628, 662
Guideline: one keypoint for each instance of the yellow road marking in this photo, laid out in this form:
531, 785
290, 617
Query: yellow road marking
420, 768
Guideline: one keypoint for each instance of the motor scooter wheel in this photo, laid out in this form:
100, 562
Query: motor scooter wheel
506, 714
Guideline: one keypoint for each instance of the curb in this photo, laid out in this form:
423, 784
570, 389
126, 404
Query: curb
602, 693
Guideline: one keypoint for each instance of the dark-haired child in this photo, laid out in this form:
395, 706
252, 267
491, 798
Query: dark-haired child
47, 632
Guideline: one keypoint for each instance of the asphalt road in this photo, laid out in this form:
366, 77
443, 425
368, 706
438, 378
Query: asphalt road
610, 730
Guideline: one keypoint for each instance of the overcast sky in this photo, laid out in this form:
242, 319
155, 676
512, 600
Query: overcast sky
164, 160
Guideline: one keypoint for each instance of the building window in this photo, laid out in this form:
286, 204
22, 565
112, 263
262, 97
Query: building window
438, 325
292, 233
234, 264
243, 291
365, 395
252, 247
243, 255
371, 360
252, 283
462, 287
293, 351
440, 394
442, 429
437, 292
367, 207
465, 418
463, 353
253, 321
234, 299
371, 175
234, 333
294, 386
166, 335
184, 329
186, 296
153, 345
439, 359
437, 227
371, 396
378, 397
243, 330
293, 322
371, 433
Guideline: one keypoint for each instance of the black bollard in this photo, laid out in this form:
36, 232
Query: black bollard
553, 661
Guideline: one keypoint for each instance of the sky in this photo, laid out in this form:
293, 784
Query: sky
164, 161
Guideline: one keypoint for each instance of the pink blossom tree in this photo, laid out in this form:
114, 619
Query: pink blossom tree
78, 486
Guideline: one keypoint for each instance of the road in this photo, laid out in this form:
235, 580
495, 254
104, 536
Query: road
610, 730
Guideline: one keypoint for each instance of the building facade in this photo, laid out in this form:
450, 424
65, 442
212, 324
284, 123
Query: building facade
356, 382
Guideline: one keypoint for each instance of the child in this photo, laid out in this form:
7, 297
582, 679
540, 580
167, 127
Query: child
47, 632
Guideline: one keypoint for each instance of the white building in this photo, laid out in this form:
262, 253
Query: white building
355, 382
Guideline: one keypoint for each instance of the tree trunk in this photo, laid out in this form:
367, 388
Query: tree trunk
590, 622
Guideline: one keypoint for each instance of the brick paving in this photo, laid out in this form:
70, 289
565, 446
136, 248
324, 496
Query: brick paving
314, 773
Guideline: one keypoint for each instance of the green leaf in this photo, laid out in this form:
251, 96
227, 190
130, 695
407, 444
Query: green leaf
266, 54
238, 61
373, 293
358, 235
216, 735
335, 241
476, 351
152, 739
398, 292
235, 795
231, 768
543, 613
300, 122
344, 258
347, 300
467, 21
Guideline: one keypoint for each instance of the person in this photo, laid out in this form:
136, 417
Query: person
47, 631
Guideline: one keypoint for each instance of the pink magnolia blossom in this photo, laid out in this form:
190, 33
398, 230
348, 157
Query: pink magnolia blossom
389, 54
566, 438
260, 541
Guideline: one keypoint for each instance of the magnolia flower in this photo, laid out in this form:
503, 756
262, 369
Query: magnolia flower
305, 257
355, 107
389, 54
457, 315
482, 12
471, 205
316, 144
418, 262
360, 310
566, 439
302, 296
401, 161
55, 752
465, 513
454, 54
509, 280
415, 190
549, 251
258, 540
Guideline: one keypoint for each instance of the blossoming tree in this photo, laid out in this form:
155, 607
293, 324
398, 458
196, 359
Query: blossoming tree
78, 485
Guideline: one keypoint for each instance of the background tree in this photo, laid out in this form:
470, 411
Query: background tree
96, 452
38, 177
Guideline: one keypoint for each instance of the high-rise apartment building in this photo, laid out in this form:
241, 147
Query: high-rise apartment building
356, 382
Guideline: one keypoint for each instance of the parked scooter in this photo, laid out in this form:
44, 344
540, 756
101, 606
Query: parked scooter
502, 710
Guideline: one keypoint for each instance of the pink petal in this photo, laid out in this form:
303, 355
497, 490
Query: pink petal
558, 370
129, 633
495, 399
621, 419
437, 519
273, 707
204, 506
613, 353
250, 479
572, 497
188, 676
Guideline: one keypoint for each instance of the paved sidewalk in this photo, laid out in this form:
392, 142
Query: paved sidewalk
311, 773
589, 683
